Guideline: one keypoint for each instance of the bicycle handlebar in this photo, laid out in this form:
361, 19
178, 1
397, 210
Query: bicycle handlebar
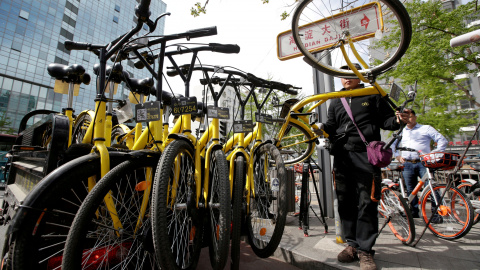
465, 39
214, 47
224, 48
73, 45
286, 88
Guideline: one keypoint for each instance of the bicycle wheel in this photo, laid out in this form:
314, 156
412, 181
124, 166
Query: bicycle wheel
219, 210
318, 25
467, 189
96, 241
454, 217
296, 144
80, 128
237, 199
177, 223
267, 211
401, 221
39, 240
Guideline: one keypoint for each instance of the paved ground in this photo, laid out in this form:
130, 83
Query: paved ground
319, 250
248, 261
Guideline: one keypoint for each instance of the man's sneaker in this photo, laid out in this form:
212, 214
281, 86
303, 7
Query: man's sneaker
437, 219
366, 261
348, 255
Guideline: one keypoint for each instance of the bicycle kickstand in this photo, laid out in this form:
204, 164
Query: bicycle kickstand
384, 224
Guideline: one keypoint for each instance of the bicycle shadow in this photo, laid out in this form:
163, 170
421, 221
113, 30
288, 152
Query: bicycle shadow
431, 252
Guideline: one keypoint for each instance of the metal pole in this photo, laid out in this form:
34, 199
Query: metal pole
323, 84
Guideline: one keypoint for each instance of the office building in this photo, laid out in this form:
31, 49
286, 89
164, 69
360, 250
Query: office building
32, 33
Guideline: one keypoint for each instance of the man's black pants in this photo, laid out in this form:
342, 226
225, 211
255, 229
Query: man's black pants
358, 186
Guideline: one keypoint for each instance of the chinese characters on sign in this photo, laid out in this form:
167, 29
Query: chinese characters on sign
361, 23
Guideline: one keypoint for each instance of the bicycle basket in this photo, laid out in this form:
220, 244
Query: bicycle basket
440, 160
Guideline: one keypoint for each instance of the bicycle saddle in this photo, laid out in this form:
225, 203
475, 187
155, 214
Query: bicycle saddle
70, 74
167, 97
286, 107
141, 86
114, 73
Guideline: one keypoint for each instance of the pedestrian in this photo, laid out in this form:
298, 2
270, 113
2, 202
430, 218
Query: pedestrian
356, 181
418, 137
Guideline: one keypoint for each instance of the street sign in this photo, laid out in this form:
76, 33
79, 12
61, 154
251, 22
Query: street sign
362, 23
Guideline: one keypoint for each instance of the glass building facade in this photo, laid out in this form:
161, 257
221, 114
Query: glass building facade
32, 33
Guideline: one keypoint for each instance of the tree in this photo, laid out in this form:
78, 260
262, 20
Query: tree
435, 65
5, 124
198, 9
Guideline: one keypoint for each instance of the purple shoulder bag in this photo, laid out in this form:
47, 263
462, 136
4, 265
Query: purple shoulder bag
377, 156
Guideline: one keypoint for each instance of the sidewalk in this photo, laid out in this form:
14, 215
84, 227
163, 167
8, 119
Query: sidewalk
319, 250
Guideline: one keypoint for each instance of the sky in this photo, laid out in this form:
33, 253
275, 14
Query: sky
253, 26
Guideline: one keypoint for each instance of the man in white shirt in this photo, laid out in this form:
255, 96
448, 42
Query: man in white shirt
418, 137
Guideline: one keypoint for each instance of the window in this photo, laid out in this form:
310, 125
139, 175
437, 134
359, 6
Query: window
69, 20
465, 104
7, 84
46, 40
17, 46
60, 61
20, 30
61, 47
117, 8
24, 15
66, 34
52, 11
42, 55
115, 19
71, 7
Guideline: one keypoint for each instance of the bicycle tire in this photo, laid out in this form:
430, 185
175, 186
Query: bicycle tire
268, 208
466, 188
40, 239
80, 128
296, 144
219, 210
456, 213
237, 199
401, 223
93, 242
169, 203
308, 11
